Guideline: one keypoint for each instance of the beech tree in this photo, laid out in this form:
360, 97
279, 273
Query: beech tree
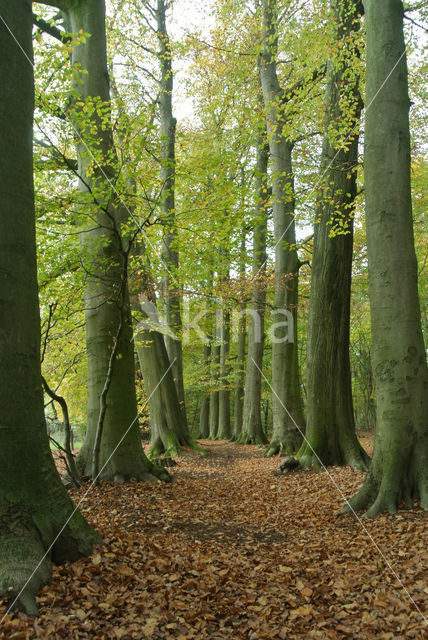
398, 472
204, 417
330, 427
252, 418
285, 365
105, 250
169, 432
242, 339
38, 521
172, 297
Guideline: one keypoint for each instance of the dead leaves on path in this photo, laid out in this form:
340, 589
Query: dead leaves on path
230, 551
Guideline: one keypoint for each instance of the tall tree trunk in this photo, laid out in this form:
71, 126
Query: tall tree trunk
224, 424
399, 470
252, 429
240, 364
204, 416
330, 428
170, 249
169, 431
169, 434
287, 403
106, 294
215, 370
37, 516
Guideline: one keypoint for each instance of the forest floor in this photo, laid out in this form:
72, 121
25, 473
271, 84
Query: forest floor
228, 551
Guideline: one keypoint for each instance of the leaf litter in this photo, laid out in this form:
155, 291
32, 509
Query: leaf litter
228, 551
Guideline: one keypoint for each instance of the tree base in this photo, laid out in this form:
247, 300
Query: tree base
136, 467
223, 436
353, 456
173, 449
281, 448
247, 438
388, 494
27, 549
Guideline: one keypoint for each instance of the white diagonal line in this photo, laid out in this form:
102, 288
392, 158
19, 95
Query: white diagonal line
340, 492
48, 550
78, 134
337, 152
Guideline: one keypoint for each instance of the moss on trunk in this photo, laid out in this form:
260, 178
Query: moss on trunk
399, 472
38, 521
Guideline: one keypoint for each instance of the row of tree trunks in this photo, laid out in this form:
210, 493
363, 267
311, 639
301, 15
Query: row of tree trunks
103, 248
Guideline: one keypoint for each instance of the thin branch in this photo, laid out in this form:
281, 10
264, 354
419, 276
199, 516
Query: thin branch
416, 23
71, 464
48, 28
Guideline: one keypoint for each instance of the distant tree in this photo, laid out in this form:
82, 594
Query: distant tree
252, 430
287, 404
242, 339
168, 124
112, 436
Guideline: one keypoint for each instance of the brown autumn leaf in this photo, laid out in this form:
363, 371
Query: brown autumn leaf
230, 551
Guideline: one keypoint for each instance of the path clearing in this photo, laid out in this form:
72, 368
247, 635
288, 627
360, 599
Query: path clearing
230, 551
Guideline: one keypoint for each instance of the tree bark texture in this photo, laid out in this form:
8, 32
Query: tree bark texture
38, 521
287, 405
399, 471
330, 428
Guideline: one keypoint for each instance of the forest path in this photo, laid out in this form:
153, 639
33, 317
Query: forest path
230, 551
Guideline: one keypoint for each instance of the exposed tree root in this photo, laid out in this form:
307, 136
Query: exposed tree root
247, 438
312, 457
174, 449
385, 495
20, 562
137, 467
289, 464
278, 447
25, 553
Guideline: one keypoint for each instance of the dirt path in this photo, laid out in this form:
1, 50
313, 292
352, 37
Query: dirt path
231, 551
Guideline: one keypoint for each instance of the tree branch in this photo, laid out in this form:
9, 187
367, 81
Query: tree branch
71, 465
292, 91
48, 28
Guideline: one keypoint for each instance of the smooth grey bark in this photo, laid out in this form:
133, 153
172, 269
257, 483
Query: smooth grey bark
168, 123
168, 431
330, 427
103, 249
204, 416
103, 407
224, 424
287, 405
34, 505
169, 434
215, 373
399, 471
240, 360
252, 429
